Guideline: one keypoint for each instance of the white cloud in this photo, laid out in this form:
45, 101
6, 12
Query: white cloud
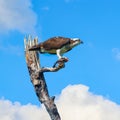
116, 53
17, 15
10, 111
77, 103
74, 103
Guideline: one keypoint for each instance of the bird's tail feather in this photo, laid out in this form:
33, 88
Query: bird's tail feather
34, 48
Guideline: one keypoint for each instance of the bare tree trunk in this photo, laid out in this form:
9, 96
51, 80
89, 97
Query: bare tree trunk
37, 77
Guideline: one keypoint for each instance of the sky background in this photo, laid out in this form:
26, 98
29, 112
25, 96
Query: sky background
93, 70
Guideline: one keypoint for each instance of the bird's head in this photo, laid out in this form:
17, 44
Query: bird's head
75, 41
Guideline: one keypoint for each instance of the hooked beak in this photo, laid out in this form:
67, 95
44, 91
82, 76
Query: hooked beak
77, 39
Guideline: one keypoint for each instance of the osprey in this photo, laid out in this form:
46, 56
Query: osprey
56, 45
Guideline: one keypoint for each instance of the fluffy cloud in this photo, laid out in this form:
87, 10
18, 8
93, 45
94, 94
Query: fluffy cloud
116, 53
74, 103
77, 103
17, 15
10, 111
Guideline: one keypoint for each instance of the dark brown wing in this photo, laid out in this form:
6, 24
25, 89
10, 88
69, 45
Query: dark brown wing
55, 43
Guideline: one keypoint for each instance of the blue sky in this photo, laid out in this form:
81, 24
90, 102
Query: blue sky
95, 64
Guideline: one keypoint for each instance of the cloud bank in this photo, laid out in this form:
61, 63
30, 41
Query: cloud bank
17, 15
74, 103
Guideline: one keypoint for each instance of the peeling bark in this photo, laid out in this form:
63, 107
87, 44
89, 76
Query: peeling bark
37, 77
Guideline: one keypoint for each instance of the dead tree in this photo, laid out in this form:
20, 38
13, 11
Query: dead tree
36, 73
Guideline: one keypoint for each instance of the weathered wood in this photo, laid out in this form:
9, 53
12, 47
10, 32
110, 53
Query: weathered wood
37, 77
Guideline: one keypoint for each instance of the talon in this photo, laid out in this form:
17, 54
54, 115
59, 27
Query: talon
63, 59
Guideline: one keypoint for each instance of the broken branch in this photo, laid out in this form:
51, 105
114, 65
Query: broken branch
37, 77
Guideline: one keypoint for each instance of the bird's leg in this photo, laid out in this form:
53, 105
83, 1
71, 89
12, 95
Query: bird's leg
60, 62
58, 53
61, 59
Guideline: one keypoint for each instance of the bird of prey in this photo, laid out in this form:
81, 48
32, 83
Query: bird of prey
56, 45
